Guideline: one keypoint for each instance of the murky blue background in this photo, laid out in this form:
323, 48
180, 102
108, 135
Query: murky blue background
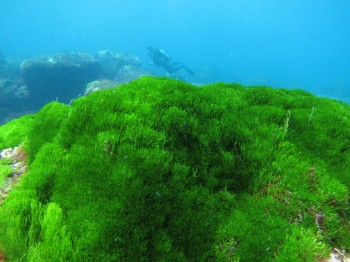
294, 43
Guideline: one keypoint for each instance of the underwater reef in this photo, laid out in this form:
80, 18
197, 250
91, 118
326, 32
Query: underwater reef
161, 170
27, 85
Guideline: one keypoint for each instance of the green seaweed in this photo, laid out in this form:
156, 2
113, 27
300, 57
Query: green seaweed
14, 133
161, 170
5, 171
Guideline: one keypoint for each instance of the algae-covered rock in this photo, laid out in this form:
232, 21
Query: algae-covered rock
161, 170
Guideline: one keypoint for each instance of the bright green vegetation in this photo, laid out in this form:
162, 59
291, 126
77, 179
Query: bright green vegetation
160, 170
14, 132
5, 171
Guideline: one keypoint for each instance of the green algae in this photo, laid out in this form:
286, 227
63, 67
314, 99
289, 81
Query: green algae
14, 133
5, 171
160, 170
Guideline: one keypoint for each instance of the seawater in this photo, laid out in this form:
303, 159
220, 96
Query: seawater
292, 44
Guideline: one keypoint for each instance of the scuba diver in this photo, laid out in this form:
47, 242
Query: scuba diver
160, 58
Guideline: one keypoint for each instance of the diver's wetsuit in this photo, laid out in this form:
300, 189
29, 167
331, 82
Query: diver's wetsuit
162, 59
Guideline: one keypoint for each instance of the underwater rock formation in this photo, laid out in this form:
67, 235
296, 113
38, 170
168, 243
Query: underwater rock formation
9, 68
129, 72
161, 170
27, 85
12, 99
118, 68
10, 91
113, 62
61, 76
126, 74
98, 85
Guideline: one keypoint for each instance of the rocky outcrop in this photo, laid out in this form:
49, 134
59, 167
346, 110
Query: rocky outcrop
130, 72
9, 68
61, 76
113, 62
118, 68
126, 74
13, 92
25, 86
10, 92
100, 84
13, 99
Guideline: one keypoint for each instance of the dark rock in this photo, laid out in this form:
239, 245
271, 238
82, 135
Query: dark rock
6, 88
61, 76
13, 99
11, 93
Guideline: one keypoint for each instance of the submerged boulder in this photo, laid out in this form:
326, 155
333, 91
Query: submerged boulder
113, 62
9, 68
11, 94
61, 76
129, 72
100, 84
11, 88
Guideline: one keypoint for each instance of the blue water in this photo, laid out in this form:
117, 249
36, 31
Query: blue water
294, 44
